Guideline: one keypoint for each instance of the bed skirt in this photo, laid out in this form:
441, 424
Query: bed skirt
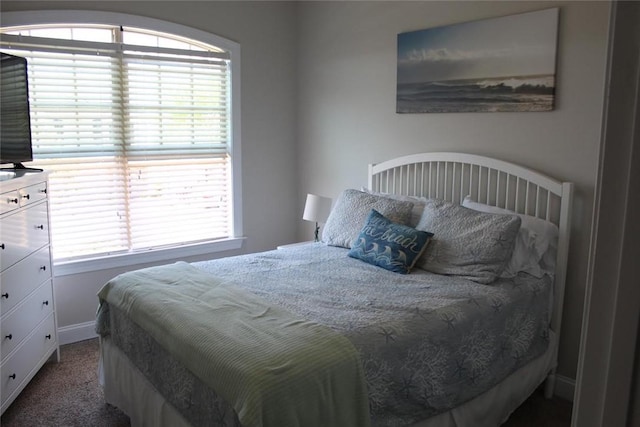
127, 389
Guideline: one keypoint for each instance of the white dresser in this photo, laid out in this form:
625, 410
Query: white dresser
27, 311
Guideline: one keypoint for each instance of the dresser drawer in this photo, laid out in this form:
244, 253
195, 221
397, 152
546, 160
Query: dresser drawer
9, 201
17, 325
19, 280
22, 233
33, 193
22, 365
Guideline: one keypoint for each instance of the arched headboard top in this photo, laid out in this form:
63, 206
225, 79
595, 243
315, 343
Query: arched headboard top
453, 176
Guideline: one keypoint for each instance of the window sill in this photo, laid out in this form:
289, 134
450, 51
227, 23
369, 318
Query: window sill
151, 256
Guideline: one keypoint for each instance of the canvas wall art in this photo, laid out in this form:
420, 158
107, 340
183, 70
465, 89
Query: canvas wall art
493, 65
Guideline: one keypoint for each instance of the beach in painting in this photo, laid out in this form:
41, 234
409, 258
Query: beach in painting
501, 94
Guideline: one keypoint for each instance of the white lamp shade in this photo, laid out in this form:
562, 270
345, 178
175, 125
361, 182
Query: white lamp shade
317, 208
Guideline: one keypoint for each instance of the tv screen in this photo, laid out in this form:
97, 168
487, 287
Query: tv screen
15, 126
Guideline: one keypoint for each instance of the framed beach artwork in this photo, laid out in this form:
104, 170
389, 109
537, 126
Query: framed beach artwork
493, 65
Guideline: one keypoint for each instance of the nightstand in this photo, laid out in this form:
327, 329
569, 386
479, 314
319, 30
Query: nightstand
291, 245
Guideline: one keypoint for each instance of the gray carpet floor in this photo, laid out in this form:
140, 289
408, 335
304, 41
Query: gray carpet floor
67, 394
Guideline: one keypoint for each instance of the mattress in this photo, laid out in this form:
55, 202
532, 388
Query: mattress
428, 343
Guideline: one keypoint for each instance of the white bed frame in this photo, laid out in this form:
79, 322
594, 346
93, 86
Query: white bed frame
452, 176
449, 176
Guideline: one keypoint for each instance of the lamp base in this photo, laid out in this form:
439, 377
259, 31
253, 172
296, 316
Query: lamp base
316, 233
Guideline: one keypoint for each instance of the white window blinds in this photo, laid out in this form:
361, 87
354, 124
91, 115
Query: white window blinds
136, 138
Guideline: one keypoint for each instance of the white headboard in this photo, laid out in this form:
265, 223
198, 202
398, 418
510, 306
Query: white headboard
452, 176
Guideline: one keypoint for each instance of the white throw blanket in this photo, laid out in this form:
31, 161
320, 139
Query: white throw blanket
274, 368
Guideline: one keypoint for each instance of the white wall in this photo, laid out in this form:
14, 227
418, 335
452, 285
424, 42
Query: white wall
265, 31
347, 119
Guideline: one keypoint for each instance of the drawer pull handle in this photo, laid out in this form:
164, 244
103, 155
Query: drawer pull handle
13, 200
26, 196
48, 336
2, 246
12, 376
46, 302
41, 227
43, 190
5, 295
43, 268
8, 336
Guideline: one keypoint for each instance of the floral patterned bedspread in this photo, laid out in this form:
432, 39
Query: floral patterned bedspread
427, 342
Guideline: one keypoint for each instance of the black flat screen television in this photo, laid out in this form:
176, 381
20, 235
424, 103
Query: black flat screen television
15, 124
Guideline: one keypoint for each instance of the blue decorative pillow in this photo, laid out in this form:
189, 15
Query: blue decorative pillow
392, 246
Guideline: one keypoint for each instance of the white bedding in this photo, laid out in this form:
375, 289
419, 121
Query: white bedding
427, 342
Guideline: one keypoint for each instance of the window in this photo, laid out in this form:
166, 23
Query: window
137, 128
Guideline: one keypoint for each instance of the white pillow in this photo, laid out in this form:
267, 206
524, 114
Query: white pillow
467, 243
418, 204
536, 243
351, 211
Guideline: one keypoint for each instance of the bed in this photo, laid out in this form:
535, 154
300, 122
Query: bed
455, 325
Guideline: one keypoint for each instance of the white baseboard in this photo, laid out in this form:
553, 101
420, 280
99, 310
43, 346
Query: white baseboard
74, 333
565, 387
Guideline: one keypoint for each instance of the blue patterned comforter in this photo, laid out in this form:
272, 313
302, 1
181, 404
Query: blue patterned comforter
428, 342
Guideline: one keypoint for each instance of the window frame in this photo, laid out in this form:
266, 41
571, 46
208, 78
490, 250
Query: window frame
20, 18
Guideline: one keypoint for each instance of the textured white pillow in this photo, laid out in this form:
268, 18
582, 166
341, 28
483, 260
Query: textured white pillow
418, 204
350, 213
467, 243
536, 244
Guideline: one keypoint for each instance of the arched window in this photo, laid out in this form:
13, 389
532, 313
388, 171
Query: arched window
137, 127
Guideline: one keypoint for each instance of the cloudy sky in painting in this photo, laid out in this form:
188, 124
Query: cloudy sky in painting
517, 45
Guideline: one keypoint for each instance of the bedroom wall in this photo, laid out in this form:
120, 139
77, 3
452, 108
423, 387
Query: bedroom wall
265, 31
346, 99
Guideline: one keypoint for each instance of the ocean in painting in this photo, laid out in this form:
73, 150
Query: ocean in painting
502, 94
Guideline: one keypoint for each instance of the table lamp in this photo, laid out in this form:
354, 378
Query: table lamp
316, 209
